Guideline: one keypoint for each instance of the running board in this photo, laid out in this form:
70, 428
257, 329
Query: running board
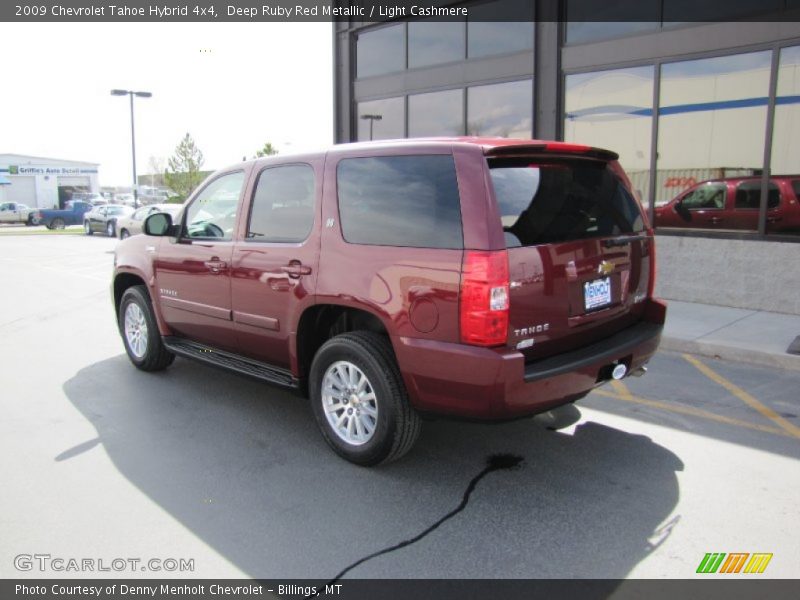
230, 361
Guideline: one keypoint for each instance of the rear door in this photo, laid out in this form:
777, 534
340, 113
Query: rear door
747, 203
578, 251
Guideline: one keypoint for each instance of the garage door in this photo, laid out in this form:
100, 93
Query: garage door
22, 189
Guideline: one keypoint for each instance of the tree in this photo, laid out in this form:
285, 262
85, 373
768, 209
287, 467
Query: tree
267, 150
183, 171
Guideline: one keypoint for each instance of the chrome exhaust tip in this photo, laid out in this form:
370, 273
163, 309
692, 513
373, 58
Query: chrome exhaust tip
619, 371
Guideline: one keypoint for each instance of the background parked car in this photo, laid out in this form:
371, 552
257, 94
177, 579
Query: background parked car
55, 218
14, 212
104, 218
132, 224
733, 203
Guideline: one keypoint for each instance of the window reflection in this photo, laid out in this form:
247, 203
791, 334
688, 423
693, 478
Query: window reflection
502, 109
712, 121
380, 51
488, 38
785, 216
436, 113
381, 119
613, 110
435, 42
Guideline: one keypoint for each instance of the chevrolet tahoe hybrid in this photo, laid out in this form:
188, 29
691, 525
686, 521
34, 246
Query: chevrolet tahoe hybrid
473, 277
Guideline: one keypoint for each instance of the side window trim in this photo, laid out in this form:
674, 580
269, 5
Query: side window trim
183, 232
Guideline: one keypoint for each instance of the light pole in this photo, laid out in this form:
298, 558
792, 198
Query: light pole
371, 119
131, 94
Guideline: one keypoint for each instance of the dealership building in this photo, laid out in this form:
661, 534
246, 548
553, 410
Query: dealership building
680, 102
44, 182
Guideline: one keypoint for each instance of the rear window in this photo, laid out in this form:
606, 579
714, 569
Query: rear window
748, 195
400, 201
545, 202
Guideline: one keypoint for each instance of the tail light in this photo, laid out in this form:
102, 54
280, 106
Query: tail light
651, 284
484, 298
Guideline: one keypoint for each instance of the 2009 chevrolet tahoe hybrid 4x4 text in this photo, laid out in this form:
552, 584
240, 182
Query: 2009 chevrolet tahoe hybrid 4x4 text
474, 277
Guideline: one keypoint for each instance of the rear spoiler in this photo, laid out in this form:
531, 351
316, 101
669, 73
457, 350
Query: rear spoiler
552, 148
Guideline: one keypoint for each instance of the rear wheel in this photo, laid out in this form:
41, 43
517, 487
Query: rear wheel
57, 223
31, 220
124, 234
139, 330
110, 229
360, 401
87, 227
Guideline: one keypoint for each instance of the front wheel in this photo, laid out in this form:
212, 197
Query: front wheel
87, 227
360, 401
111, 230
139, 330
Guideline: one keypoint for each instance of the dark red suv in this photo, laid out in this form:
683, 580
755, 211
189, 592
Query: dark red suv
473, 277
733, 203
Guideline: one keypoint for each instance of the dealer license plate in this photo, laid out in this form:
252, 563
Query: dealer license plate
597, 293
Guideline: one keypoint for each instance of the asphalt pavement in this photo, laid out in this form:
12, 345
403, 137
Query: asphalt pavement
100, 460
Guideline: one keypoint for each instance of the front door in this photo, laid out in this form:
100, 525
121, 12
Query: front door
275, 262
193, 272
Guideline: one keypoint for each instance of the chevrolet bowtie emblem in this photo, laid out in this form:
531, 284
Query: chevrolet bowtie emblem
605, 268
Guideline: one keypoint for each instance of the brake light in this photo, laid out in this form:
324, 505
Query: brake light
484, 298
651, 284
566, 147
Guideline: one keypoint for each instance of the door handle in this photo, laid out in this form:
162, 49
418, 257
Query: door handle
215, 265
296, 269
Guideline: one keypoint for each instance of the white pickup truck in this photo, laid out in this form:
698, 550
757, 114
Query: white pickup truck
14, 212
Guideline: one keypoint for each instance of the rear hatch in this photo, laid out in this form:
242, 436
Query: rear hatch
578, 247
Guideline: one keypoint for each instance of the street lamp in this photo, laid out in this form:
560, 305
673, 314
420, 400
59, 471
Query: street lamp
372, 119
131, 94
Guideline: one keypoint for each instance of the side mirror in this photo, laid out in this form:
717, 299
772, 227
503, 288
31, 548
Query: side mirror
682, 210
159, 224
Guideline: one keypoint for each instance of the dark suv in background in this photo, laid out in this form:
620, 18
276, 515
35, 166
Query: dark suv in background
474, 277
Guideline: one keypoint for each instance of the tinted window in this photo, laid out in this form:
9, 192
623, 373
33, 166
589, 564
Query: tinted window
547, 202
400, 201
212, 213
748, 195
435, 42
487, 35
711, 195
381, 51
283, 205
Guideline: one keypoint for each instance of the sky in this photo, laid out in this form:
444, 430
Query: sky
232, 86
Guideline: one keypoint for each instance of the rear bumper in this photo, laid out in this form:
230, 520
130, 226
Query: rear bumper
492, 383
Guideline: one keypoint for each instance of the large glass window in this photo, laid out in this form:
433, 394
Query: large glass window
400, 201
504, 109
436, 113
212, 214
487, 37
614, 110
283, 205
435, 42
381, 51
712, 122
381, 119
785, 163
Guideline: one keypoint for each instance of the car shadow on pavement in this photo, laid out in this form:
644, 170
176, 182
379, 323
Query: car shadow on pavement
241, 464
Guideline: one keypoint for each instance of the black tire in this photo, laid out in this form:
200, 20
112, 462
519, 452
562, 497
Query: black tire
31, 221
87, 228
111, 229
398, 424
124, 234
156, 357
57, 223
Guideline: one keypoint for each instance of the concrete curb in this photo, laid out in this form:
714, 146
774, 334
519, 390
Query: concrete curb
733, 353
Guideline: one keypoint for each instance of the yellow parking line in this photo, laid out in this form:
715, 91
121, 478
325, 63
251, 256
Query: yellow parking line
734, 389
690, 410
